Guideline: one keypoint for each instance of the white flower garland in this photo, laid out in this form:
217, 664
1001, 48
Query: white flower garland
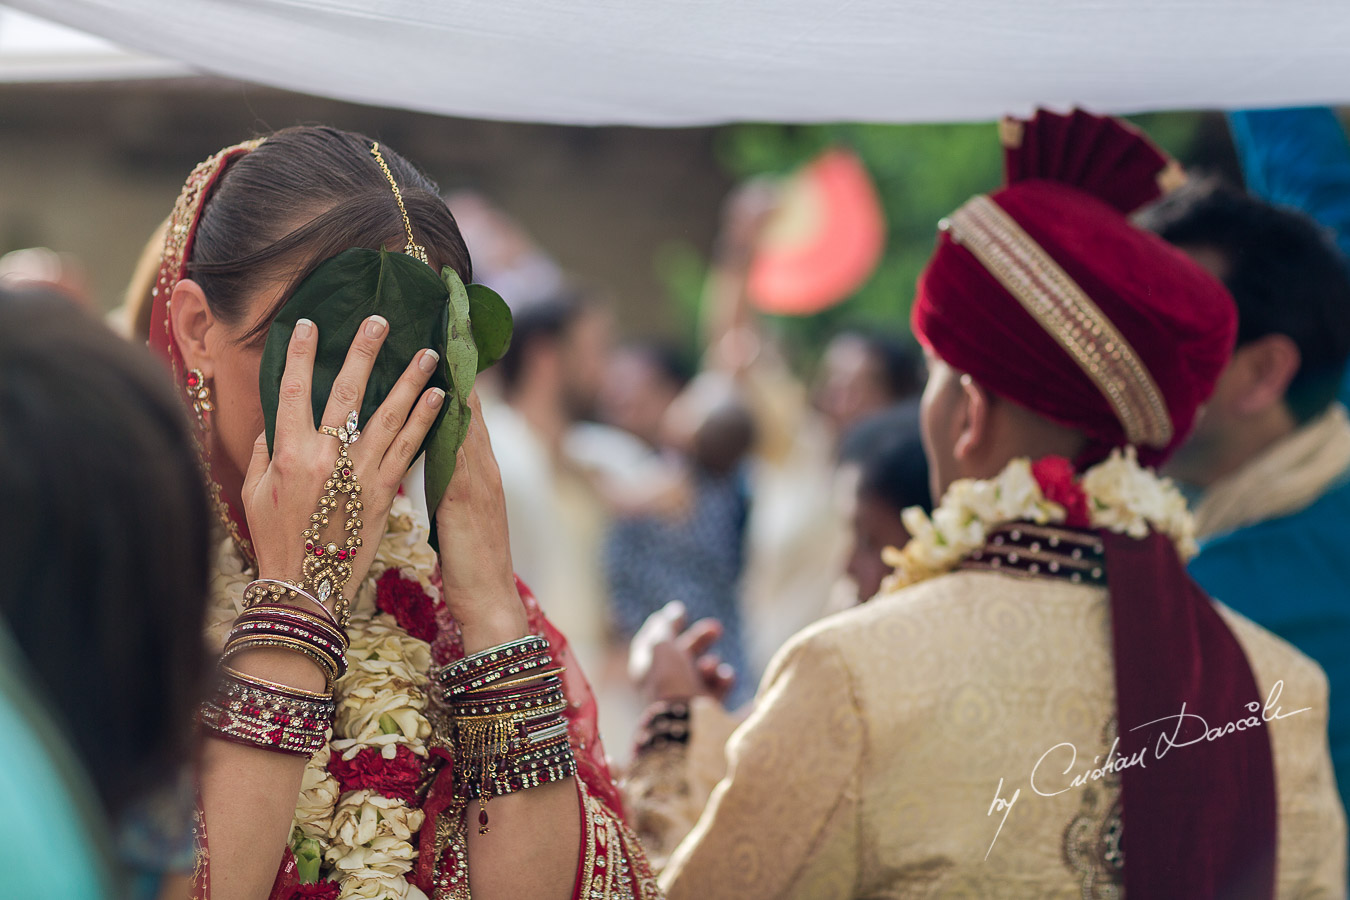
1122, 496
366, 839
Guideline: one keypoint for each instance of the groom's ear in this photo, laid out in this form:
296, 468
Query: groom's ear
972, 420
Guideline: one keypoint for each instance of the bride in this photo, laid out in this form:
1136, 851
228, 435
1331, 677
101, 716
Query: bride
425, 786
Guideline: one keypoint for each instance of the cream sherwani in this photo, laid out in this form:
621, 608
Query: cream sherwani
882, 736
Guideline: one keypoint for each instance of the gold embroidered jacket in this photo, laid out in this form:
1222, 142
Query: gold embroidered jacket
883, 735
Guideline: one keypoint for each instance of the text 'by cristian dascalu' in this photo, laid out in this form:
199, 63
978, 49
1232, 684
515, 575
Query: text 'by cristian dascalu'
1050, 775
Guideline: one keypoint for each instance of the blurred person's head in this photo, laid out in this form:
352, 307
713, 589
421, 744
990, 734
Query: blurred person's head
272, 215
559, 346
862, 373
1292, 289
42, 267
505, 257
106, 529
892, 475
710, 423
642, 379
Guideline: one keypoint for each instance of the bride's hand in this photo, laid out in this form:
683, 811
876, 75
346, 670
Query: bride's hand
478, 581
282, 491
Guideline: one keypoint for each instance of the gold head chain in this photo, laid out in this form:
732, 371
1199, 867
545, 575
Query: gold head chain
413, 249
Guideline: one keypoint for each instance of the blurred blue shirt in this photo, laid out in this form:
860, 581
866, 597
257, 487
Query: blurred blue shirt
1292, 574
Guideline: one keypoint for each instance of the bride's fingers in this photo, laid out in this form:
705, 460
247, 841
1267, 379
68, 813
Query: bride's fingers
476, 406
410, 437
392, 415
257, 465
294, 415
349, 388
478, 446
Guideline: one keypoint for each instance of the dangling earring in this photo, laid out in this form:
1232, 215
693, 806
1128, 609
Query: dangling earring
199, 393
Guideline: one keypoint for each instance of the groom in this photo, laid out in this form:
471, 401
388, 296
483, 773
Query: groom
1019, 714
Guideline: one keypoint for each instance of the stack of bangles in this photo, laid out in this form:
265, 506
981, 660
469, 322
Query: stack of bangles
260, 713
510, 728
663, 724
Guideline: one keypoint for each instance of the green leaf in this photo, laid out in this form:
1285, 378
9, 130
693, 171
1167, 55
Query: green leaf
461, 350
469, 326
460, 363
338, 297
491, 320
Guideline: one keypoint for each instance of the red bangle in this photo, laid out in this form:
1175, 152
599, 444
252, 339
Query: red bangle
258, 713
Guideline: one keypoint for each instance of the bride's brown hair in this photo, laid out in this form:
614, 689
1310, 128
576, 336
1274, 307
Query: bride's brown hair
301, 197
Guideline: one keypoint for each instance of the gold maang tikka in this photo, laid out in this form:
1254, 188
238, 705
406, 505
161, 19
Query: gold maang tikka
412, 248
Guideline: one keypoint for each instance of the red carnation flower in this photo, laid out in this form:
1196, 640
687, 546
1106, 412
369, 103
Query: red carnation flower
319, 890
1059, 484
404, 599
395, 778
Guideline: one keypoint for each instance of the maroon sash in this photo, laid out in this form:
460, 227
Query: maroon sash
1200, 818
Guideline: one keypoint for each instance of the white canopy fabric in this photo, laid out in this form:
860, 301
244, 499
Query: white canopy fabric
684, 62
35, 50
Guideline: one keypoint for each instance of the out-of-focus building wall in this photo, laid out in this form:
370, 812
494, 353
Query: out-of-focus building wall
91, 169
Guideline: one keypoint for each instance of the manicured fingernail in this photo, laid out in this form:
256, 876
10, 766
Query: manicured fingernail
428, 360
375, 326
435, 398
303, 328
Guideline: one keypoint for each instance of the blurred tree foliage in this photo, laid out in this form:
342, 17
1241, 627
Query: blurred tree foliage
922, 172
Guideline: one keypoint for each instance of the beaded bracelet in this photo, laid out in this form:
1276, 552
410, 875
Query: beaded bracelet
512, 685
325, 662
494, 664
302, 618
257, 624
664, 722
259, 713
510, 730
523, 704
542, 765
269, 590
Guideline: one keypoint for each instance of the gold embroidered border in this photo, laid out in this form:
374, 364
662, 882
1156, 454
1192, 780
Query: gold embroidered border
978, 565
172, 269
1016, 552
1052, 535
1061, 307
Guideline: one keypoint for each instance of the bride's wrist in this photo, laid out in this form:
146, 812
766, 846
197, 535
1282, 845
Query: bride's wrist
497, 627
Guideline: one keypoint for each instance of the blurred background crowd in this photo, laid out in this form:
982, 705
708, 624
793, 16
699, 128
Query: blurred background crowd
712, 395
677, 409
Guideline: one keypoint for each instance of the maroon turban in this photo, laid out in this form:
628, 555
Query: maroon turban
1048, 296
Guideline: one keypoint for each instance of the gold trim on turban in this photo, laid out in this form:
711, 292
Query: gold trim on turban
1068, 314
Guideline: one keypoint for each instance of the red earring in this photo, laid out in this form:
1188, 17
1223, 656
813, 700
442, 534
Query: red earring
199, 394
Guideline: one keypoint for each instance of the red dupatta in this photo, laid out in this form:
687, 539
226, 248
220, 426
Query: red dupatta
179, 236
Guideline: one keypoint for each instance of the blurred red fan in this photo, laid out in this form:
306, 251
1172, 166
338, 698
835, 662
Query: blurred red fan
823, 242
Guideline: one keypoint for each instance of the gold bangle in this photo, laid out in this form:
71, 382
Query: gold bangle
522, 679
338, 635
274, 686
285, 643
